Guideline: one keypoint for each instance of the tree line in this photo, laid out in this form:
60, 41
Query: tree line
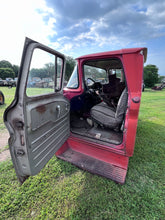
7, 70
151, 76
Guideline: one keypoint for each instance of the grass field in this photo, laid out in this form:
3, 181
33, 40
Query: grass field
62, 191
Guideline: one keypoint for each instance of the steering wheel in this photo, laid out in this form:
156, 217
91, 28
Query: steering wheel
95, 87
94, 90
90, 80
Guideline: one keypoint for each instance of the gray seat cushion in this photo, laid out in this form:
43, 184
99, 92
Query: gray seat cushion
122, 105
108, 116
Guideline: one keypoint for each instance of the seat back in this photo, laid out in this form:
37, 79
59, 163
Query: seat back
122, 105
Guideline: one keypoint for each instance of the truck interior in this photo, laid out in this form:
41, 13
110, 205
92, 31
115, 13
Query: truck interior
99, 112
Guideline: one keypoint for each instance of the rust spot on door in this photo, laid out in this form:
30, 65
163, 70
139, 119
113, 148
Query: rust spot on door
41, 109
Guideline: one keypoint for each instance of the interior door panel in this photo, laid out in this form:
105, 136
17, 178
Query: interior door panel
38, 119
48, 128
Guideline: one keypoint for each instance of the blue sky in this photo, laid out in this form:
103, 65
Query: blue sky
78, 27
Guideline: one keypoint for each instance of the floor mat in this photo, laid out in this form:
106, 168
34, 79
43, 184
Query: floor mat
80, 126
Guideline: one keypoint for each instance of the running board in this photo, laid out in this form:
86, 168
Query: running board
94, 166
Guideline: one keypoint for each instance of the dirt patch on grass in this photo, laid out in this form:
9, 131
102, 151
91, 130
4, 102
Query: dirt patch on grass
4, 135
4, 153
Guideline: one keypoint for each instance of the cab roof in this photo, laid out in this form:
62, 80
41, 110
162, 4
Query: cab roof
117, 52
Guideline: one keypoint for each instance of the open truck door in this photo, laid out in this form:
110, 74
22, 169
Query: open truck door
38, 118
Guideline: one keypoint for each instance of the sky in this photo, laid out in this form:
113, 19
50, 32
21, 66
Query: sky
79, 27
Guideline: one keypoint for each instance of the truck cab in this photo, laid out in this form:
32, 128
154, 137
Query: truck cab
90, 123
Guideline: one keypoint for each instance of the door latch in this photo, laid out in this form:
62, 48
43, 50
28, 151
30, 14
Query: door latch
136, 99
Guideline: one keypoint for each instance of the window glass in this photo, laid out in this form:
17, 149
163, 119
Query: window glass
42, 73
103, 71
59, 72
118, 74
95, 73
73, 81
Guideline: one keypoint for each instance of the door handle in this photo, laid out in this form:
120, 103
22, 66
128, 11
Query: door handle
58, 111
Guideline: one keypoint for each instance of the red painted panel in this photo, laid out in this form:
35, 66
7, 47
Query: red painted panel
101, 154
115, 53
133, 66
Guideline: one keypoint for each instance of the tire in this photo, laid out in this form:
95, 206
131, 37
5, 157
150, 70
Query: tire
2, 98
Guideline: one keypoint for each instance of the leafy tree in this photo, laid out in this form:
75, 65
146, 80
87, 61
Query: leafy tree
5, 64
150, 75
161, 79
49, 70
6, 73
16, 70
70, 64
41, 73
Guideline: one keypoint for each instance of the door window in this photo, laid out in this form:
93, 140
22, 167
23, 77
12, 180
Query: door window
45, 73
117, 73
59, 73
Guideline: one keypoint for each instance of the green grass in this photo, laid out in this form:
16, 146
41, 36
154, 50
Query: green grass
38, 91
62, 191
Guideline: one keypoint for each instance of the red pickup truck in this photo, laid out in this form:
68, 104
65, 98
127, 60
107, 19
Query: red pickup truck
90, 123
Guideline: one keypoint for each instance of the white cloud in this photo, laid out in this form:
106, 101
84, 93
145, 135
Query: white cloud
21, 18
105, 22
